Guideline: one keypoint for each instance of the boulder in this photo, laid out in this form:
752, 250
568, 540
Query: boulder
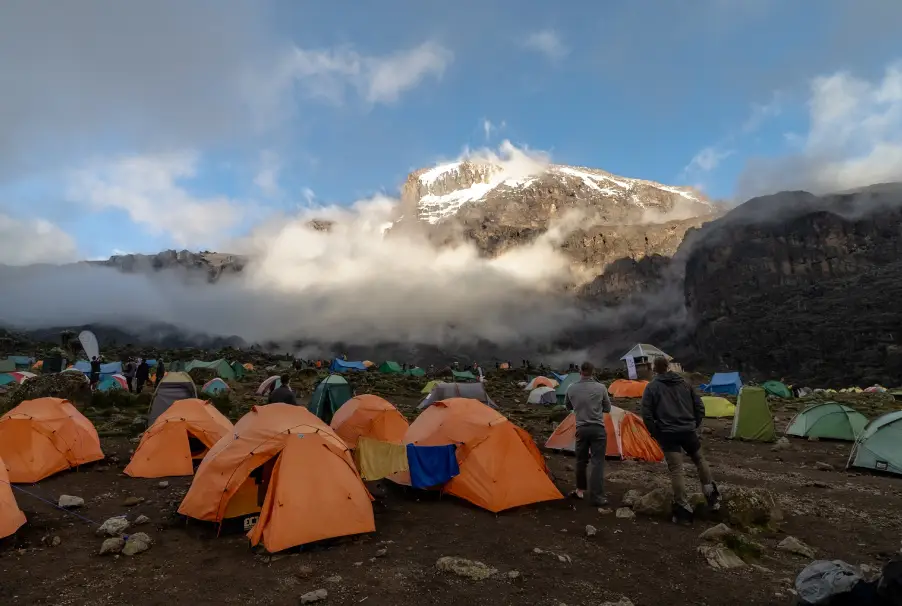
716, 533
314, 596
793, 545
630, 498
67, 501
625, 513
136, 543
720, 558
113, 527
751, 507
470, 569
655, 503
112, 545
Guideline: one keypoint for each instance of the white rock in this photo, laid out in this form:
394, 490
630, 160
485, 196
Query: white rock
334, 579
163, 484
625, 513
793, 545
141, 519
470, 569
513, 574
67, 501
113, 527
721, 558
716, 533
136, 543
591, 531
314, 596
112, 545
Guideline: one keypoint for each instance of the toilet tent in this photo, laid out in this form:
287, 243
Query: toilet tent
329, 396
828, 421
753, 420
879, 446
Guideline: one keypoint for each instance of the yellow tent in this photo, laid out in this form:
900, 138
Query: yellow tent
429, 386
718, 407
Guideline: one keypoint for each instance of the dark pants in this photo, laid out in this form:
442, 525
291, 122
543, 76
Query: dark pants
674, 444
140, 385
591, 443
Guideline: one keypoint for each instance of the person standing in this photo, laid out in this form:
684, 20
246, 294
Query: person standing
673, 413
160, 372
141, 375
129, 371
589, 400
283, 393
95, 372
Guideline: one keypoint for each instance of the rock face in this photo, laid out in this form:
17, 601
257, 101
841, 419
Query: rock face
762, 282
213, 264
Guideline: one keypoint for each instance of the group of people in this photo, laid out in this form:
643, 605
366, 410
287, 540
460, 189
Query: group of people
136, 373
673, 413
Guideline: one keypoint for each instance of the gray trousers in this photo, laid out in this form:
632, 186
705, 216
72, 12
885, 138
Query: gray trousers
591, 443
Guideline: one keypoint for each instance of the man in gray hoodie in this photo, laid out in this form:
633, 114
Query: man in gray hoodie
673, 413
589, 400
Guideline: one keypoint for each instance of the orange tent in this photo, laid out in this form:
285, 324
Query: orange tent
621, 388
369, 416
540, 382
311, 485
185, 432
631, 439
39, 438
500, 465
11, 517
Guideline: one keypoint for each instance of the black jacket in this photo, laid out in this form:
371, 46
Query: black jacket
282, 394
671, 405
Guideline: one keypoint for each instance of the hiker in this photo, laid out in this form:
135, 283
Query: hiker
673, 413
283, 393
141, 375
161, 372
589, 400
95, 372
129, 372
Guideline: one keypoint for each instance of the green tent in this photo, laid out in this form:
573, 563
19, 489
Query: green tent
753, 420
221, 367
561, 390
828, 420
775, 388
239, 370
390, 368
879, 447
328, 397
7, 365
415, 372
465, 375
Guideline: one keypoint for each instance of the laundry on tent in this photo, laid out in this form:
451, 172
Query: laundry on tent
500, 465
622, 388
329, 396
828, 421
215, 386
41, 437
11, 517
715, 406
369, 416
110, 382
17, 377
377, 460
443, 391
338, 365
184, 433
540, 382
727, 383
879, 445
173, 387
432, 466
628, 437
776, 389
542, 395
753, 420
273, 382
390, 368
220, 367
561, 391
282, 462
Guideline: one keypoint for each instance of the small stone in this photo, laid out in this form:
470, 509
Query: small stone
358, 563
631, 497
132, 501
314, 596
716, 533
136, 543
55, 542
142, 519
625, 513
334, 579
793, 545
605, 511
814, 439
304, 571
720, 558
623, 601
70, 502
563, 557
821, 485
113, 545
381, 553
163, 484
821, 465
138, 421
591, 531
781, 444
568, 467
513, 574
537, 550
113, 527
470, 569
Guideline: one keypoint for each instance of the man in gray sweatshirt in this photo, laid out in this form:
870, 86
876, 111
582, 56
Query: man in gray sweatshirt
589, 400
673, 413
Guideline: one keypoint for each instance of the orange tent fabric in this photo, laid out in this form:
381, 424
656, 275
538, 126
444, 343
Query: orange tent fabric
500, 465
369, 416
631, 439
41, 437
621, 388
541, 382
11, 517
313, 492
165, 448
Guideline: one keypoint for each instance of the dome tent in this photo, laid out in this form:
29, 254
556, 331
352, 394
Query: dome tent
776, 389
621, 388
329, 396
173, 387
11, 517
829, 421
369, 416
542, 395
879, 446
631, 439
215, 386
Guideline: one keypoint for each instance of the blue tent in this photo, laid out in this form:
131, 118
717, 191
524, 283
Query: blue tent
345, 366
108, 383
557, 377
21, 362
727, 383
113, 368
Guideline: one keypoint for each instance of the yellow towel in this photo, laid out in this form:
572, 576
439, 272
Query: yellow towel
376, 460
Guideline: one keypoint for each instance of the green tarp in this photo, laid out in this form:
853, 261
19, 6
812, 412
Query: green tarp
561, 390
879, 446
221, 367
775, 388
465, 375
828, 420
753, 420
415, 372
329, 396
390, 367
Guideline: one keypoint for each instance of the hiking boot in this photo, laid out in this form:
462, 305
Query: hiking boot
681, 514
602, 502
712, 495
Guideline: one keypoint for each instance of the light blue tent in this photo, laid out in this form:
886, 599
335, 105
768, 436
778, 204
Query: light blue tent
217, 386
109, 383
113, 368
21, 362
345, 366
727, 383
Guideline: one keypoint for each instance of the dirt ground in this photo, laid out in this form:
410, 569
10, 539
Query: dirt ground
842, 515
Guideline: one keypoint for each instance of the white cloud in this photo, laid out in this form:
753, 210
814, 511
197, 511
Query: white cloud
327, 73
707, 160
26, 241
547, 42
762, 112
854, 138
267, 178
488, 127
148, 189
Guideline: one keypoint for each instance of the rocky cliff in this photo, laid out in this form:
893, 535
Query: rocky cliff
802, 287
214, 265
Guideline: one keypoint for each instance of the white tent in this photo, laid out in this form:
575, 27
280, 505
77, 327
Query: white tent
543, 395
644, 350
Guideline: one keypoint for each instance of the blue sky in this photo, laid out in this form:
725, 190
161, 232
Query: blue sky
185, 123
